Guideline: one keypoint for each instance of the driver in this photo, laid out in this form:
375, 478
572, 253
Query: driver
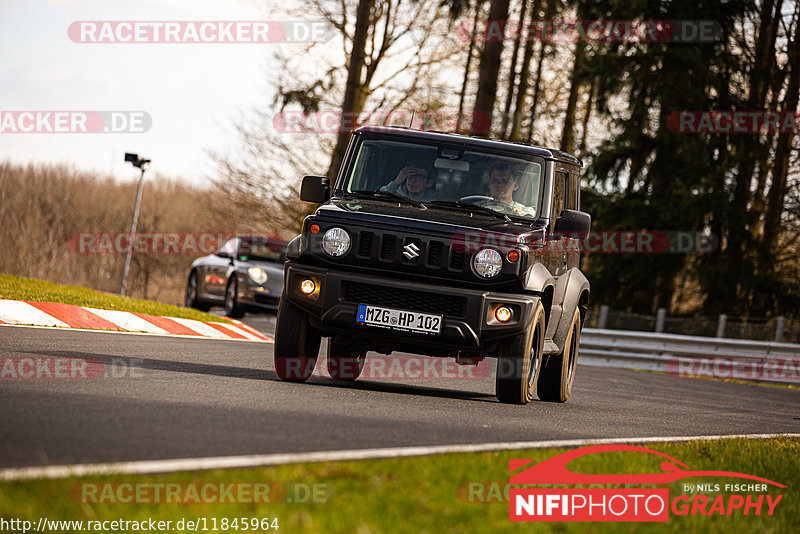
413, 182
502, 184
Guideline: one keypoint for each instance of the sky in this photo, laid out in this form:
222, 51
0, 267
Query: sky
193, 92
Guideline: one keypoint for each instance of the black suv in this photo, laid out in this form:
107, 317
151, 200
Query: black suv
443, 245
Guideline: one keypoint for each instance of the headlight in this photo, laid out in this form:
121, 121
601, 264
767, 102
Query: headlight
257, 275
487, 263
336, 242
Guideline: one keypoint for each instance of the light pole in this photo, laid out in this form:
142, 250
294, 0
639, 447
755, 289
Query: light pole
141, 164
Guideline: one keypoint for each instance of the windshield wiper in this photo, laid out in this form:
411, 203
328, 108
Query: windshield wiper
467, 206
388, 195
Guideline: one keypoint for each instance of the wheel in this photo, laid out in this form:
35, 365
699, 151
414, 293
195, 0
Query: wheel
345, 360
558, 370
519, 361
191, 300
296, 343
232, 307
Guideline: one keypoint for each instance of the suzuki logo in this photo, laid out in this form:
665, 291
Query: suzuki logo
411, 251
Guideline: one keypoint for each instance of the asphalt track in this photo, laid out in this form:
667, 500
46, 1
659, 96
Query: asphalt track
168, 397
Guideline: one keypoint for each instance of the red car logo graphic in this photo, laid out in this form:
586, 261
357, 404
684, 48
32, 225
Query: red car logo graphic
554, 470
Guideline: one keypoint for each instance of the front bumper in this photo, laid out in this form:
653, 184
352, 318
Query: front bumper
468, 321
257, 298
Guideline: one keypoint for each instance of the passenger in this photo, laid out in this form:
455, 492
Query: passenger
416, 183
502, 184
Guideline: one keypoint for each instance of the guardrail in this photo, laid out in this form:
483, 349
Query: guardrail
692, 355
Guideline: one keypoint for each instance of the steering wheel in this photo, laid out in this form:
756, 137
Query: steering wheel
489, 202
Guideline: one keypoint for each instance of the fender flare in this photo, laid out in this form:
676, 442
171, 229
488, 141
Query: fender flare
293, 249
539, 279
571, 293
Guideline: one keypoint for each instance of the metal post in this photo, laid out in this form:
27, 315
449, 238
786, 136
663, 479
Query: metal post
132, 234
721, 324
779, 328
661, 318
603, 322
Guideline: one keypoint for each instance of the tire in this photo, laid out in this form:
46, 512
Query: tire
345, 360
519, 363
558, 370
192, 300
296, 343
232, 307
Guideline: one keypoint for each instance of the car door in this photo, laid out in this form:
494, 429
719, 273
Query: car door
556, 257
215, 277
573, 202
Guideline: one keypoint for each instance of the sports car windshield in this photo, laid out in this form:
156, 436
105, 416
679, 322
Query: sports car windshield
261, 248
449, 177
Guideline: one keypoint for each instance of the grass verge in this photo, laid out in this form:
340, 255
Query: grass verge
20, 288
426, 494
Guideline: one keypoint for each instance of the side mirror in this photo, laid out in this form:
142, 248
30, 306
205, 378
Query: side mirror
572, 222
315, 189
222, 254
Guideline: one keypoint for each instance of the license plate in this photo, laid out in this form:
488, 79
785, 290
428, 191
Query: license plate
399, 319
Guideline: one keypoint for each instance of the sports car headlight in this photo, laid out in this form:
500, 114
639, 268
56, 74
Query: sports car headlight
336, 242
257, 275
487, 263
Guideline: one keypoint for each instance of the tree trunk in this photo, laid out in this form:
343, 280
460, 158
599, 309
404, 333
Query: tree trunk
586, 116
568, 132
778, 189
549, 12
739, 273
354, 93
524, 75
468, 65
512, 72
490, 62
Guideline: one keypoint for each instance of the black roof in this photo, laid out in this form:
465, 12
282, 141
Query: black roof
472, 141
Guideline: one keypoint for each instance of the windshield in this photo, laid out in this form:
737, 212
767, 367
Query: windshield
447, 176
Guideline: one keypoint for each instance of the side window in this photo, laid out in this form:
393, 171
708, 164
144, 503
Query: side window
559, 193
229, 247
573, 191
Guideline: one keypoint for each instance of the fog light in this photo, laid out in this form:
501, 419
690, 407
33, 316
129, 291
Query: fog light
307, 286
503, 314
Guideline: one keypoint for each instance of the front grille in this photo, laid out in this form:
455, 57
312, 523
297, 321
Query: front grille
436, 256
435, 249
457, 260
365, 240
404, 299
388, 246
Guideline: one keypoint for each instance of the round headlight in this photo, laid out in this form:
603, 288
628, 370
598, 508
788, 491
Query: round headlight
487, 263
257, 275
336, 242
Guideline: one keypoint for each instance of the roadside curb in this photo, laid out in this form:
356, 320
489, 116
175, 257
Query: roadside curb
23, 312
